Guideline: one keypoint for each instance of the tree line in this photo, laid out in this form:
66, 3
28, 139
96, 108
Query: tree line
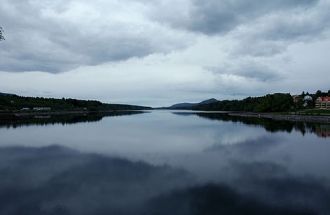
1, 34
277, 102
12, 102
269, 103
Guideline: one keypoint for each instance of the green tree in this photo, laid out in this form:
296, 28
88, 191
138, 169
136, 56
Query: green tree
303, 94
1, 34
317, 94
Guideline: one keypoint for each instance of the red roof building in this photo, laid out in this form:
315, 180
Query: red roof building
323, 102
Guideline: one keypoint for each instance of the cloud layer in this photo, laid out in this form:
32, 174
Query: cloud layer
55, 36
195, 49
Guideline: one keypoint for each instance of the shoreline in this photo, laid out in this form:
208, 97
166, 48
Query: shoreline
56, 113
273, 116
285, 117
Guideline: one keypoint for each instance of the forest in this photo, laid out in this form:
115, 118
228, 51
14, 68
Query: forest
269, 103
277, 102
11, 102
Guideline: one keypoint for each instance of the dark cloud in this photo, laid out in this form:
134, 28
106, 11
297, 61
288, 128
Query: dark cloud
56, 36
272, 34
214, 17
254, 47
47, 37
259, 29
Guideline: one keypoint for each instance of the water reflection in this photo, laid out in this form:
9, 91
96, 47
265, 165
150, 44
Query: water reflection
14, 121
58, 180
323, 131
163, 163
320, 129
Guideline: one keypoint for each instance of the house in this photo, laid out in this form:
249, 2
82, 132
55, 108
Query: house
323, 102
296, 98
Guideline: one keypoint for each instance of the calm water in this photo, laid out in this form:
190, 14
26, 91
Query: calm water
163, 162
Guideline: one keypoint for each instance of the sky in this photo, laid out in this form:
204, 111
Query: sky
161, 52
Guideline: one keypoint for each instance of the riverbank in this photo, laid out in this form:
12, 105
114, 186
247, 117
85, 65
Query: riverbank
18, 114
287, 117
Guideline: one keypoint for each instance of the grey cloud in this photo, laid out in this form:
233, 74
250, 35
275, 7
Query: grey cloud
43, 39
247, 69
272, 34
258, 48
214, 17
259, 29
301, 25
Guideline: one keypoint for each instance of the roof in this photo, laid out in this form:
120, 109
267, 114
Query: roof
324, 98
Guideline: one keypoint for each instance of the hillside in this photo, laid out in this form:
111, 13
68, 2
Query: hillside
189, 106
277, 102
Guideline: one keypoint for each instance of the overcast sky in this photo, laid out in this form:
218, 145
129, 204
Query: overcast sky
161, 52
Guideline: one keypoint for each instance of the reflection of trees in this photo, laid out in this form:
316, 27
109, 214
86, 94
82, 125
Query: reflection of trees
269, 124
18, 121
1, 34
323, 130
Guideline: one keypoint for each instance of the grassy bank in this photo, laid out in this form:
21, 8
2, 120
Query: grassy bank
286, 116
317, 112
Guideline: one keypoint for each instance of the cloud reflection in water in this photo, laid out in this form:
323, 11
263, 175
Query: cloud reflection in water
58, 180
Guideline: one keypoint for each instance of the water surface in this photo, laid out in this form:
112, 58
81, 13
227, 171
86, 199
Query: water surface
163, 162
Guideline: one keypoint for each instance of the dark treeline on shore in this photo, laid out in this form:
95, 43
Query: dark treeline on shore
10, 102
277, 102
270, 103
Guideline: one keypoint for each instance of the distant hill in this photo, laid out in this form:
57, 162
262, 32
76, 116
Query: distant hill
209, 101
182, 106
6, 94
189, 106
11, 102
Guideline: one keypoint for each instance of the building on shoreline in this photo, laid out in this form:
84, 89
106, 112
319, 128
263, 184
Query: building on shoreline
296, 98
322, 102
